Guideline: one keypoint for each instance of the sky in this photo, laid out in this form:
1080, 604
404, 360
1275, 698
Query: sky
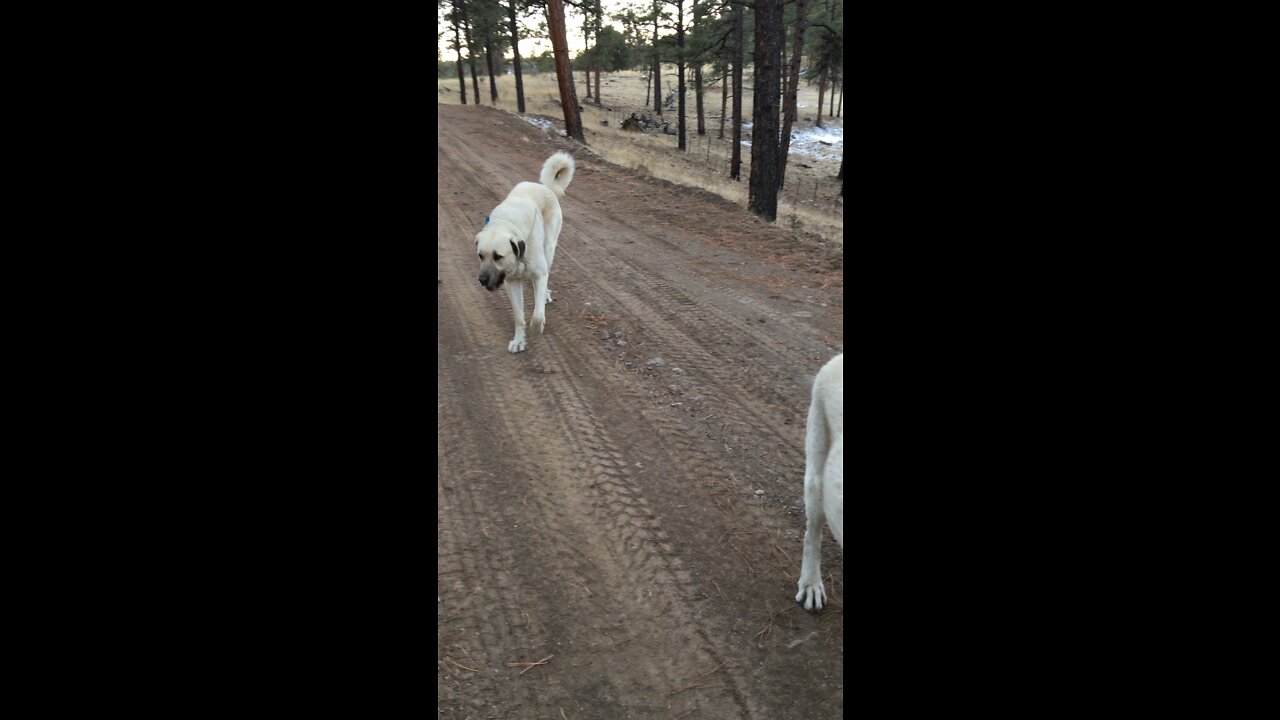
529, 47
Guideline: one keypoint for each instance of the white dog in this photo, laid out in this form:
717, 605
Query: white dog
518, 242
823, 478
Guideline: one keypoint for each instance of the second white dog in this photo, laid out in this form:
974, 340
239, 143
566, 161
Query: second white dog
823, 478
518, 243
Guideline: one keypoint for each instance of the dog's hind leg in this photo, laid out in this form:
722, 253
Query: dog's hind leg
812, 594
552, 227
515, 291
540, 299
833, 489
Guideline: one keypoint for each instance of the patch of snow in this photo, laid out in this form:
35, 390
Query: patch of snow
821, 143
817, 142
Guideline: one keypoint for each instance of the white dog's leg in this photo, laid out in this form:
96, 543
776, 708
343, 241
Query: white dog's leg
811, 593
540, 297
550, 251
833, 489
515, 291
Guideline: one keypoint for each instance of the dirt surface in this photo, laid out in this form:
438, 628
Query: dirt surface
598, 504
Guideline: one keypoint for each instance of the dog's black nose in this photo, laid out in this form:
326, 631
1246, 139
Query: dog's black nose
484, 279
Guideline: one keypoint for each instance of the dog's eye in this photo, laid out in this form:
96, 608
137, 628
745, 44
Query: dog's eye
496, 257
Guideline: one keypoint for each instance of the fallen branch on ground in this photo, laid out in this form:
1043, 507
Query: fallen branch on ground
529, 665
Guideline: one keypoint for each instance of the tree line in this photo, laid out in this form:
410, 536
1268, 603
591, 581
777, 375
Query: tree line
782, 41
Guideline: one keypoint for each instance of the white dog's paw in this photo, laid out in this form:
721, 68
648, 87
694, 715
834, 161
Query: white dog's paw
537, 324
812, 595
516, 345
548, 294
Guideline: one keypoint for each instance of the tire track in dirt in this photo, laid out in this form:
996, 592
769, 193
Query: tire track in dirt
766, 342
643, 567
687, 340
477, 631
579, 497
522, 540
479, 578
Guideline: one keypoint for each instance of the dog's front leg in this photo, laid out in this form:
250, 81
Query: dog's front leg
540, 297
812, 595
515, 291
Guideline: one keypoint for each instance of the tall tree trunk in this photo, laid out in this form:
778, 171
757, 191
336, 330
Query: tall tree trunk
648, 86
724, 100
782, 62
822, 86
462, 76
515, 51
739, 44
763, 185
832, 111
488, 60
597, 71
475, 79
657, 66
680, 121
697, 96
471, 56
599, 60
560, 46
789, 116
833, 97
586, 47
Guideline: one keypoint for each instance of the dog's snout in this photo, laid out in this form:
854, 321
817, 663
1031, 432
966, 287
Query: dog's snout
484, 278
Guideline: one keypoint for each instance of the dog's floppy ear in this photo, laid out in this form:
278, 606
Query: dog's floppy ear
518, 249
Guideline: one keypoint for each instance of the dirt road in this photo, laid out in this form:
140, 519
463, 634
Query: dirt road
599, 505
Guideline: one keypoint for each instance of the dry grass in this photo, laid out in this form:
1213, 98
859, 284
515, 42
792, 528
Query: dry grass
705, 163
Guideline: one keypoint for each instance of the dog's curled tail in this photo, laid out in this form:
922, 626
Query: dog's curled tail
557, 172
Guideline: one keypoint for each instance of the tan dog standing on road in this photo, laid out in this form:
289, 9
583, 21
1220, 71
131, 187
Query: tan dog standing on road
518, 243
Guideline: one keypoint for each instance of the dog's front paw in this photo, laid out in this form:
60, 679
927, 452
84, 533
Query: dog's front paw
516, 345
537, 324
812, 595
549, 299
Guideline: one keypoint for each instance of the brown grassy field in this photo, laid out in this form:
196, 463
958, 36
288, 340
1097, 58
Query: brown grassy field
808, 202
